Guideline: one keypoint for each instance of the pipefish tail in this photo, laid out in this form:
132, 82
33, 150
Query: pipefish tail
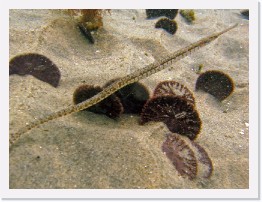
131, 78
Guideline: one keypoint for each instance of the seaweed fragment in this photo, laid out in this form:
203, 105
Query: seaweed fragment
86, 33
216, 83
154, 13
181, 155
168, 25
174, 88
133, 96
92, 19
178, 115
36, 65
199, 69
188, 14
110, 106
87, 20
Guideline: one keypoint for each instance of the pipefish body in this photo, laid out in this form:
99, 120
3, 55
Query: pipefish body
131, 78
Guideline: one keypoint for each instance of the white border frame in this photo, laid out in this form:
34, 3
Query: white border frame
254, 177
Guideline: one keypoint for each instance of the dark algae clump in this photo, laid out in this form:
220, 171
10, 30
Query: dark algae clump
188, 15
216, 83
36, 65
154, 13
169, 25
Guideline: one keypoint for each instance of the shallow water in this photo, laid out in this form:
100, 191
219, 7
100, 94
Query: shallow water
87, 150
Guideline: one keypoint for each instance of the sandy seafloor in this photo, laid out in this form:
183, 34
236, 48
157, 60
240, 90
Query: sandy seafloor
87, 150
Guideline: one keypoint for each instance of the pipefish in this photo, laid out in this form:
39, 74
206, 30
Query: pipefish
117, 85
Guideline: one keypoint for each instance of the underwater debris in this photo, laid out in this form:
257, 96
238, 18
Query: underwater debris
189, 15
174, 88
110, 106
154, 13
181, 155
133, 96
178, 115
245, 13
36, 65
216, 83
169, 25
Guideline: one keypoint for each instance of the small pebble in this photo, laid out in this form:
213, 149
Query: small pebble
242, 132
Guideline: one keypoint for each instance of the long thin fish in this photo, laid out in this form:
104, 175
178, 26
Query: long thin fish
131, 78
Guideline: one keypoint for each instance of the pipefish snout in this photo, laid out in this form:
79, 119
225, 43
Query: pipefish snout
117, 85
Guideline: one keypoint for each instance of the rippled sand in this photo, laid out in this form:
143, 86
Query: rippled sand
86, 150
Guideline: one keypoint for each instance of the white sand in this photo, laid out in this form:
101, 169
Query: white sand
86, 150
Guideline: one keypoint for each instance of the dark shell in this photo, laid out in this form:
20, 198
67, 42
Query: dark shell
154, 13
181, 155
169, 25
36, 65
216, 83
203, 159
110, 106
174, 88
133, 96
86, 33
178, 115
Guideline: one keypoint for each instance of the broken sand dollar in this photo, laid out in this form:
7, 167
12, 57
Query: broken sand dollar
36, 65
174, 88
188, 157
203, 159
178, 115
216, 83
181, 155
111, 106
133, 96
